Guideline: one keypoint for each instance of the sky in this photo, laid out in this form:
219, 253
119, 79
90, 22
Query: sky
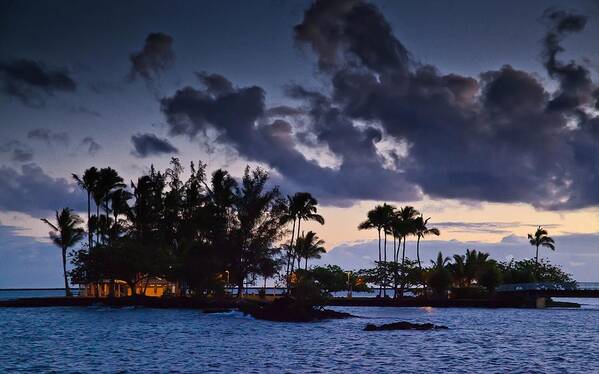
482, 115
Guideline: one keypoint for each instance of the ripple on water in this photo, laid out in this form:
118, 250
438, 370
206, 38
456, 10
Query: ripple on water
157, 340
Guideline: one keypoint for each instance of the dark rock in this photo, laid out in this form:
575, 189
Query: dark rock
215, 310
286, 309
404, 326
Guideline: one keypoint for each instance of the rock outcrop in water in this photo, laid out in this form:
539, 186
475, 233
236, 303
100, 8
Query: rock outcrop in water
287, 310
404, 326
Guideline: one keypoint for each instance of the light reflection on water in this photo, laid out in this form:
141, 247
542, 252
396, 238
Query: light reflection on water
100, 339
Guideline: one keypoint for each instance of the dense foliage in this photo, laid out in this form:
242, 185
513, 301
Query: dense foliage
190, 232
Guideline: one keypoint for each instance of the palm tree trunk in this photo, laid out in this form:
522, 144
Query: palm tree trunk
89, 231
418, 252
97, 223
299, 226
537, 263
379, 264
396, 259
385, 261
290, 253
403, 270
306, 263
67, 289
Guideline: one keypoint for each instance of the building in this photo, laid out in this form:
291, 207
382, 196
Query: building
153, 287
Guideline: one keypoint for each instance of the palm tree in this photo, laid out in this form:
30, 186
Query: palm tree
108, 180
439, 276
458, 270
421, 231
290, 215
305, 204
406, 217
88, 184
377, 218
65, 234
541, 239
389, 214
309, 246
473, 263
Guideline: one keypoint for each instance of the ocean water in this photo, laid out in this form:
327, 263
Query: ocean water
123, 340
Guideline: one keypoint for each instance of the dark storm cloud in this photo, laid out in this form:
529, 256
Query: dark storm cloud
31, 81
215, 84
18, 151
575, 80
30, 190
150, 145
239, 117
80, 109
497, 138
90, 145
396, 128
154, 59
48, 136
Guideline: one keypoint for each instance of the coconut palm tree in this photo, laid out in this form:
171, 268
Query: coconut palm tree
65, 234
88, 184
458, 270
406, 218
541, 239
473, 263
290, 215
108, 180
421, 231
307, 210
309, 246
377, 218
439, 277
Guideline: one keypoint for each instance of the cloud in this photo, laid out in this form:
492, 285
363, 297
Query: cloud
49, 137
238, 116
31, 81
92, 147
575, 80
486, 227
155, 58
390, 128
30, 190
496, 138
80, 109
150, 145
18, 151
578, 254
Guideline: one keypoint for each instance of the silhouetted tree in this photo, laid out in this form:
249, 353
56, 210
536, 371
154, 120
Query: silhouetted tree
422, 231
88, 184
65, 234
309, 246
406, 221
378, 219
306, 208
439, 278
541, 239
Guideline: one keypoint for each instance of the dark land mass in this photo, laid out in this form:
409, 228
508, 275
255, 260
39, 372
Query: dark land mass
287, 310
403, 325
283, 309
497, 302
